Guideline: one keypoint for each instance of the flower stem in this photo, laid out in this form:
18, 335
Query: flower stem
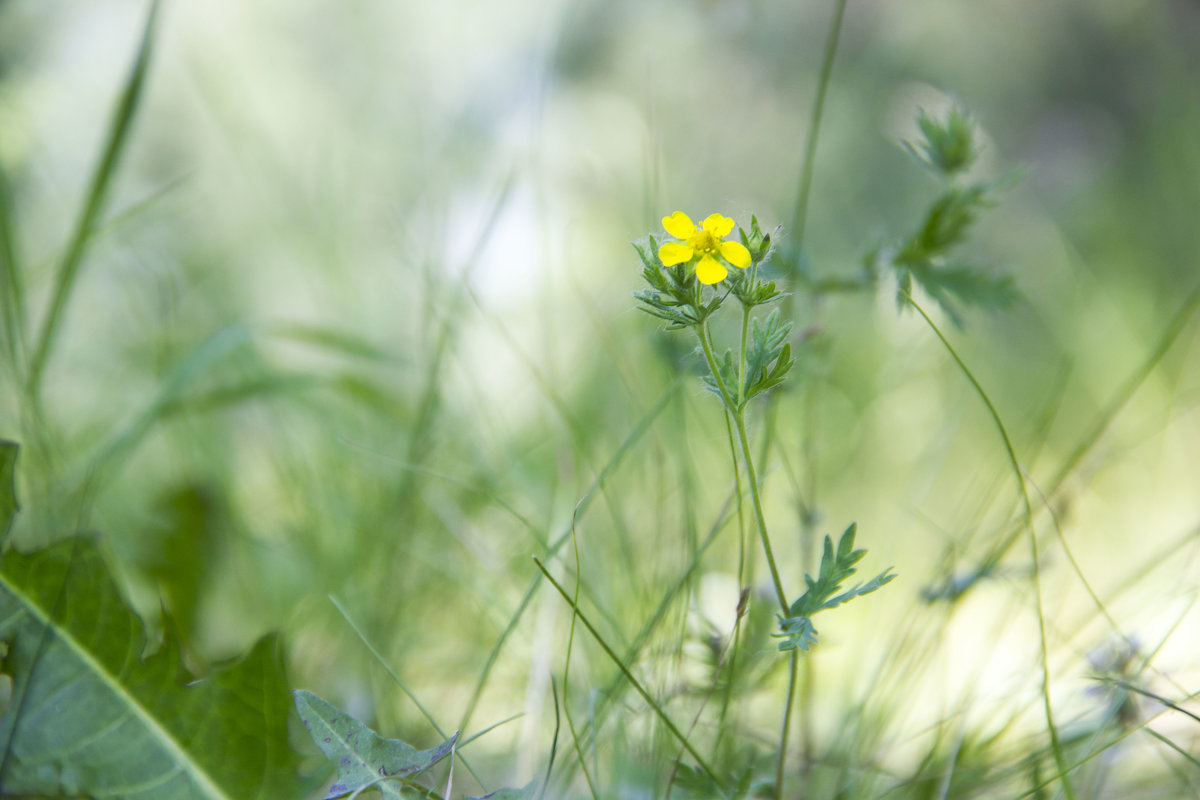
703, 335
739, 420
752, 475
742, 353
787, 723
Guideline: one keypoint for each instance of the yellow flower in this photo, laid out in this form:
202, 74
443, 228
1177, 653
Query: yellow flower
703, 243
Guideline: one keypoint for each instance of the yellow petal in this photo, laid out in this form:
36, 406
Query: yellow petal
718, 225
710, 271
679, 225
735, 254
675, 253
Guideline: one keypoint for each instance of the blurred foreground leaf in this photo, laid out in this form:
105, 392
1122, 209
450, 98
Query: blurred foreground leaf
526, 792
184, 537
8, 489
364, 758
89, 717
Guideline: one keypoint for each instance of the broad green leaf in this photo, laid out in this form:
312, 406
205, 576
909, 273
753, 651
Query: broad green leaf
364, 758
8, 490
90, 717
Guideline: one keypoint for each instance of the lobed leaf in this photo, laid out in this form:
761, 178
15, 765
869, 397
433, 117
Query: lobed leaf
949, 146
768, 359
825, 591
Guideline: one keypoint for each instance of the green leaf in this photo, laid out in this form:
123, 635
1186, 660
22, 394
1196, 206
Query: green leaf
824, 591
947, 222
90, 717
728, 376
184, 536
948, 286
949, 146
364, 758
769, 357
8, 488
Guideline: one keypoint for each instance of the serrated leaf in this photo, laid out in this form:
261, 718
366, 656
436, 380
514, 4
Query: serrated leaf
364, 758
90, 717
858, 591
949, 146
768, 344
948, 286
824, 591
526, 792
647, 262
971, 286
797, 632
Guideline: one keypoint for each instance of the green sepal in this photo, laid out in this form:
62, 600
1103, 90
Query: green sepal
674, 294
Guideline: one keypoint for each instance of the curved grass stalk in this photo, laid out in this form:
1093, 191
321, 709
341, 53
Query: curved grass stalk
89, 218
739, 419
1126, 392
1055, 744
633, 438
587, 775
609, 693
799, 225
633, 681
814, 124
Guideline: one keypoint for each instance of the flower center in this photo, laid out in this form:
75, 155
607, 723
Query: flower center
703, 242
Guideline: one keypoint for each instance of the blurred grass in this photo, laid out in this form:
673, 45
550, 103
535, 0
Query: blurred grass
355, 322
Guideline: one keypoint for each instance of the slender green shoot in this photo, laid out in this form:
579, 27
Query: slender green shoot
67, 273
1019, 475
587, 775
633, 681
635, 436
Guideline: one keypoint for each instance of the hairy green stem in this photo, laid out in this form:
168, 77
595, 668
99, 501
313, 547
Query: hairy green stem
752, 478
787, 724
739, 420
741, 395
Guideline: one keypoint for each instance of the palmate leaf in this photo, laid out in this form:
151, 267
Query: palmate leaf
364, 758
88, 717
